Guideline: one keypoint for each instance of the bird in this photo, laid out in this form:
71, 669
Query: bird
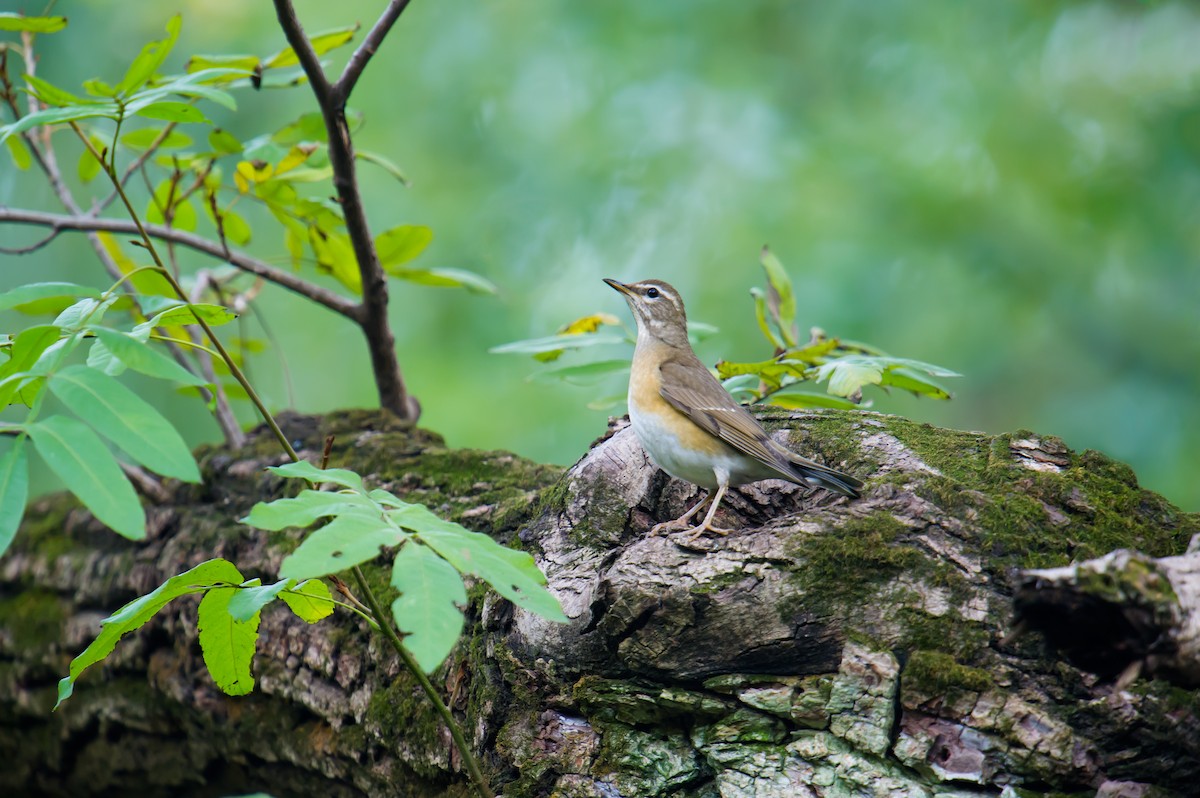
688, 423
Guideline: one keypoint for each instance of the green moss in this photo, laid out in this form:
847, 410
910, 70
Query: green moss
1039, 518
948, 633
33, 618
872, 548
938, 672
401, 711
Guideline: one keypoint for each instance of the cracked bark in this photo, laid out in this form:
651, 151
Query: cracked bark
826, 648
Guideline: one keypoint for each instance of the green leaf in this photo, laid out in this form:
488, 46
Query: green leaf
150, 59
427, 610
801, 400
227, 643
910, 380
88, 166
305, 509
21, 156
101, 358
321, 43
851, 372
556, 343
31, 292
236, 228
346, 541
11, 21
760, 313
142, 357
51, 116
848, 375
14, 490
240, 63
387, 165
772, 372
98, 88
142, 139
50, 94
215, 315
401, 244
335, 255
192, 85
86, 466
449, 278
85, 311
583, 374
125, 419
135, 614
26, 348
306, 470
781, 301
512, 573
173, 111
310, 600
253, 595
309, 127
223, 142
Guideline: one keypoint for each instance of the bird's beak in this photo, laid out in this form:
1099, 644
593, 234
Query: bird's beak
624, 289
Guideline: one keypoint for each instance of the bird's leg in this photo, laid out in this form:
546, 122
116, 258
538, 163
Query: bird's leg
706, 525
682, 520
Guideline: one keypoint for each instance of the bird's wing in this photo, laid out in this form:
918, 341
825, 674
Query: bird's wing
693, 391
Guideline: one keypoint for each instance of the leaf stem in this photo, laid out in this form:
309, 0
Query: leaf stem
469, 760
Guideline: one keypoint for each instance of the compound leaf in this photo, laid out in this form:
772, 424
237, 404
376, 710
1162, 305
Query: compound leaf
126, 419
134, 614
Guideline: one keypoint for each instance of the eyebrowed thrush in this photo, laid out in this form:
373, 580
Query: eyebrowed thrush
689, 424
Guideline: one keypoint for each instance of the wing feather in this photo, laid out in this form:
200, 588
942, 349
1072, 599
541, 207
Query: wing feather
692, 390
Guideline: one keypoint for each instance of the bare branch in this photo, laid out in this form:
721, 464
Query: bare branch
373, 311
358, 61
246, 263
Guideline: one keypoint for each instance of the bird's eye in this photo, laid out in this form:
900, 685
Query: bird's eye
652, 292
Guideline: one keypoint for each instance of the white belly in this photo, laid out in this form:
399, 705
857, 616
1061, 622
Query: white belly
703, 469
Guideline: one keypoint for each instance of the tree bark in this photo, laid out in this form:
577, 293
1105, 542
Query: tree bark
1121, 615
826, 648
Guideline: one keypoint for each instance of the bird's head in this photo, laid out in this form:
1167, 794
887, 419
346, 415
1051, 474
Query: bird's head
657, 309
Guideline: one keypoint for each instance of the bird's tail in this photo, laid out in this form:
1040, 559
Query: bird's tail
820, 476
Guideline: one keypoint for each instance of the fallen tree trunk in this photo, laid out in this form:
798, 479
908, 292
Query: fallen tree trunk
826, 648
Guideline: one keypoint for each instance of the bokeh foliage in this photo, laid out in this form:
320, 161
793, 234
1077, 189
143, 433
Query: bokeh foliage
1007, 189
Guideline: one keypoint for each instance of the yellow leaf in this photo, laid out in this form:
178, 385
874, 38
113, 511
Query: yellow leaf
588, 324
296, 156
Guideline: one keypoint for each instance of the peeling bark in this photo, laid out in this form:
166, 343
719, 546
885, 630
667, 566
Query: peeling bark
826, 648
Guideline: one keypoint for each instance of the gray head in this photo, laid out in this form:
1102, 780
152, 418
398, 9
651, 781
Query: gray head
657, 309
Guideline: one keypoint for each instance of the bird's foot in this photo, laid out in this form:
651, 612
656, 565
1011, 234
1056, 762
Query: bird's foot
698, 531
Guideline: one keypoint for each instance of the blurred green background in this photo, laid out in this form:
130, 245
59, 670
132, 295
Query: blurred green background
1007, 189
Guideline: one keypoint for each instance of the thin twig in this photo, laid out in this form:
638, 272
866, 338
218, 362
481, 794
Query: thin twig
146, 483
134, 166
81, 221
34, 247
373, 316
255, 399
468, 757
358, 61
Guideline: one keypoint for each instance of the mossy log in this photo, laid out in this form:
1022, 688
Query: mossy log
826, 648
1120, 616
